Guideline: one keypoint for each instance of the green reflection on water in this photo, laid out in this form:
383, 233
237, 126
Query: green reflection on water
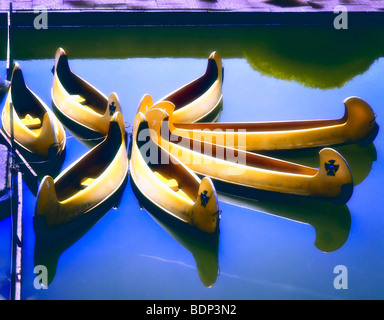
317, 57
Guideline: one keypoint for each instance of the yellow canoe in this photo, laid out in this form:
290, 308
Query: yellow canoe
37, 131
82, 108
88, 182
171, 186
332, 181
358, 125
200, 99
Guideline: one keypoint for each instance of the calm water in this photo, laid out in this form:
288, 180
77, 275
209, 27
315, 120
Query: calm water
266, 249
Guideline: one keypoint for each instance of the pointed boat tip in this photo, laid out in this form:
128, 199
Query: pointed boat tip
60, 51
46, 199
113, 95
207, 184
17, 74
206, 214
333, 164
146, 102
114, 104
328, 151
16, 69
362, 120
207, 181
330, 154
16, 66
47, 182
214, 55
146, 96
354, 100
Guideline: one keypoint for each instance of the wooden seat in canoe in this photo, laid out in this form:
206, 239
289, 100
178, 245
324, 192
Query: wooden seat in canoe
171, 183
31, 122
86, 182
78, 98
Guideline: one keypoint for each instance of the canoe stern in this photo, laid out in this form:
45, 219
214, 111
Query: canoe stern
334, 179
205, 212
361, 120
47, 204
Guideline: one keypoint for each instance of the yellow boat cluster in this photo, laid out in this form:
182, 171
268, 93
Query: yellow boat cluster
176, 152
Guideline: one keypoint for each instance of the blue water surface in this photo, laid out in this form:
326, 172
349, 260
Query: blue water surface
265, 250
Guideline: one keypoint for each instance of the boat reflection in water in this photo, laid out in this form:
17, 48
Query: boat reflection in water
52, 242
331, 222
204, 247
284, 52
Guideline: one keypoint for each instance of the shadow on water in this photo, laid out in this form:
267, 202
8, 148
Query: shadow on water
203, 247
7, 202
52, 242
315, 56
332, 223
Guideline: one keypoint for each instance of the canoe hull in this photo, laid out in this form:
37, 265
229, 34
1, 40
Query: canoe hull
332, 181
358, 125
84, 109
201, 104
44, 142
188, 200
64, 199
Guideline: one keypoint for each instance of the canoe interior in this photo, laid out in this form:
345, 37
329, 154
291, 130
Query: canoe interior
75, 85
159, 161
24, 101
90, 166
230, 154
264, 126
196, 88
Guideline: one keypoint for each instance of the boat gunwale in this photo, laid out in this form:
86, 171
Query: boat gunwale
203, 78
185, 170
149, 198
312, 172
84, 86
70, 118
261, 126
